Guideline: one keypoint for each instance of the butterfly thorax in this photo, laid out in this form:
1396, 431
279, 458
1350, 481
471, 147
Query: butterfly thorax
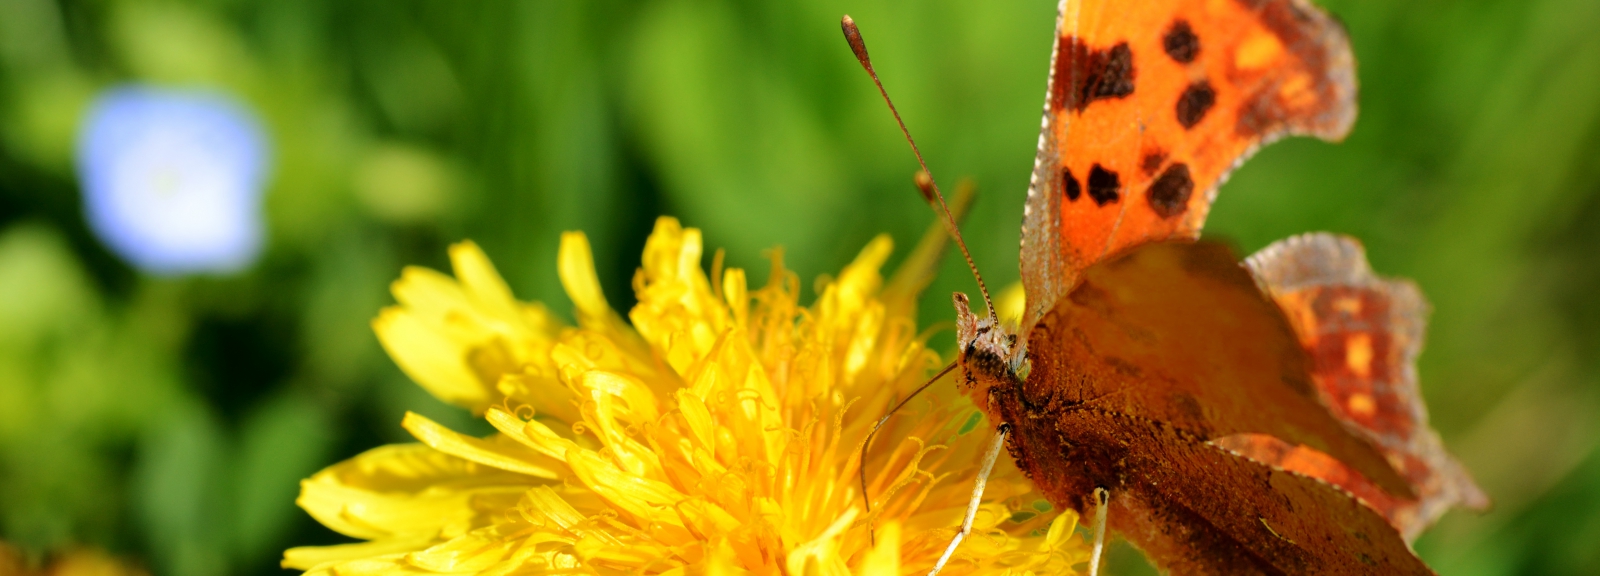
997, 371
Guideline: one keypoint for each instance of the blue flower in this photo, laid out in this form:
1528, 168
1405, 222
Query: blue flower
172, 179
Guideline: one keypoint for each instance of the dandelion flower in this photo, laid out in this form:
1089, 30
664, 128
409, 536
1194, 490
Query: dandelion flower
716, 430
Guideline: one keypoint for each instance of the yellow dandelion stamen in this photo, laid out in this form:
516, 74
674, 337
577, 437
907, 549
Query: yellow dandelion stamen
714, 431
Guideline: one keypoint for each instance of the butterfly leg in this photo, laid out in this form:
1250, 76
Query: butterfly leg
1102, 502
977, 498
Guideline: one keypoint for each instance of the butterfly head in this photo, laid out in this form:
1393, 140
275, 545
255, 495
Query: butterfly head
989, 352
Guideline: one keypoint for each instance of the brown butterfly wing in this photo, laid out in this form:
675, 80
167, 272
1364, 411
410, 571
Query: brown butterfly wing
1157, 352
1363, 333
1196, 509
1151, 103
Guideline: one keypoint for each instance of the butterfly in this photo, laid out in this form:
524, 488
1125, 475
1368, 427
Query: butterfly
1225, 418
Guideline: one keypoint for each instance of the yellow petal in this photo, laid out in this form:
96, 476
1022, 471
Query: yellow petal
481, 282
611, 423
595, 549
865, 339
884, 559
821, 555
699, 419
531, 433
640, 401
736, 292
688, 265
499, 455
389, 565
519, 559
1061, 529
577, 273
642, 497
861, 279
404, 490
677, 311
540, 319
427, 292
541, 391
309, 557
724, 561
429, 358
662, 248
552, 507
471, 552
710, 516
1010, 302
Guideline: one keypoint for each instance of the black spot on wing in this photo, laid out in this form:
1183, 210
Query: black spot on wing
1152, 161
1069, 184
1180, 42
1084, 75
1195, 102
1104, 185
1169, 194
1113, 75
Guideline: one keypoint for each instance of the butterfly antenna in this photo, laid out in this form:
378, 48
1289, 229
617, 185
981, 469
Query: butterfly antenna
862, 468
924, 179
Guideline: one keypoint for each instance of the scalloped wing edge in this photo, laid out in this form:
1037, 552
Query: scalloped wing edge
1297, 269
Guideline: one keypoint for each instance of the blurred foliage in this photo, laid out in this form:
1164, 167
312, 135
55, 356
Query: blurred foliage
170, 418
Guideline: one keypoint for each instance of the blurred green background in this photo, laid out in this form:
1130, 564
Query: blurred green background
169, 419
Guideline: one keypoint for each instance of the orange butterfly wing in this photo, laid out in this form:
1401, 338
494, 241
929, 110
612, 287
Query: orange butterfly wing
1362, 334
1151, 103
